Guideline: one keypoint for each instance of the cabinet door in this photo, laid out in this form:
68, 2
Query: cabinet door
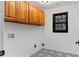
11, 5
26, 12
22, 11
17, 11
6, 9
9, 11
33, 15
41, 19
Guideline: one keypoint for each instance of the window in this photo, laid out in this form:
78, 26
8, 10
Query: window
60, 22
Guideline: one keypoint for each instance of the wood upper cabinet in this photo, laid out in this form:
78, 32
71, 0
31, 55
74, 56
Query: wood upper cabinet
23, 12
16, 11
33, 14
36, 16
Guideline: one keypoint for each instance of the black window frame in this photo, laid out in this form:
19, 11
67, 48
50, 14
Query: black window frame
59, 14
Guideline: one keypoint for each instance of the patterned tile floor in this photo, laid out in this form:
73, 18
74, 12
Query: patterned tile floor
52, 53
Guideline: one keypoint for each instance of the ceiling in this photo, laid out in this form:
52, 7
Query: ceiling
52, 4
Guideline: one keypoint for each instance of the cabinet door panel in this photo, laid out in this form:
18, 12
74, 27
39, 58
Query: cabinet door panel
6, 9
26, 12
17, 11
39, 17
11, 9
22, 11
41, 20
33, 14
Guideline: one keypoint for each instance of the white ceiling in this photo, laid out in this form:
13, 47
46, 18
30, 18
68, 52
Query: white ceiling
52, 4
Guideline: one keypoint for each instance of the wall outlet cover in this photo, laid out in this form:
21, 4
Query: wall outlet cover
11, 35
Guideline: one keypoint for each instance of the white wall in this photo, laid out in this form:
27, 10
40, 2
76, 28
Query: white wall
1, 25
63, 41
25, 37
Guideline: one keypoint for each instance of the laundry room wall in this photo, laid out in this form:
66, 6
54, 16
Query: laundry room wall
1, 26
26, 36
63, 41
